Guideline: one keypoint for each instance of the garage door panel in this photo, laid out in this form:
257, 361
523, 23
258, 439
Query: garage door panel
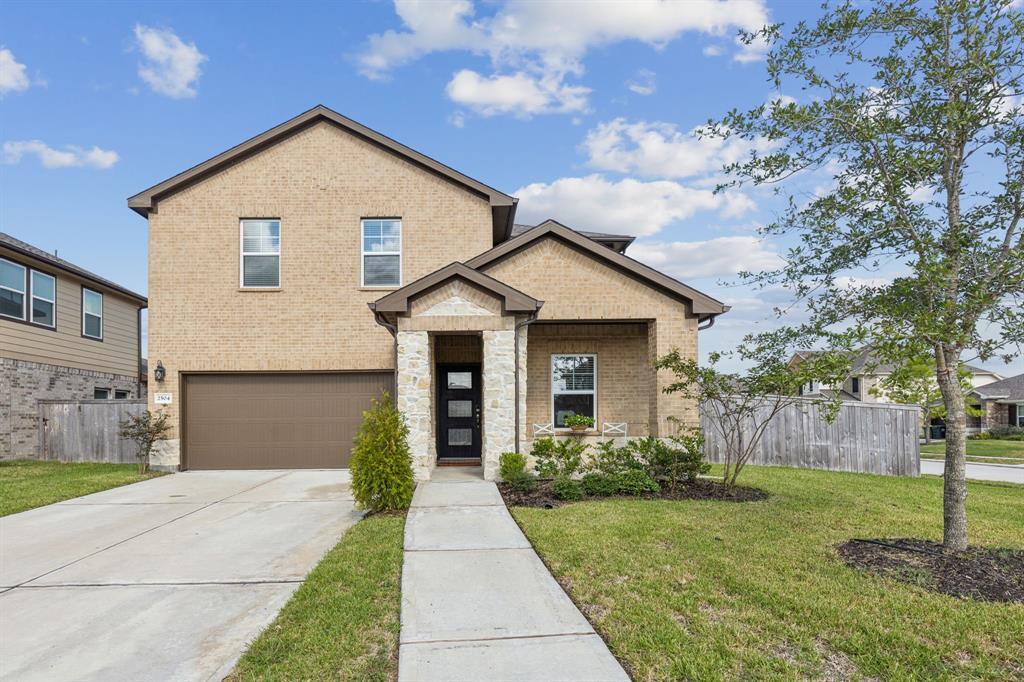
276, 421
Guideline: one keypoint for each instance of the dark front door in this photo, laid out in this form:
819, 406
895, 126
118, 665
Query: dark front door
458, 411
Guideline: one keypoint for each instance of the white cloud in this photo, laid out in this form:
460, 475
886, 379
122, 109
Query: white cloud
661, 150
457, 119
70, 156
520, 94
626, 206
170, 66
720, 257
643, 83
547, 40
712, 51
12, 74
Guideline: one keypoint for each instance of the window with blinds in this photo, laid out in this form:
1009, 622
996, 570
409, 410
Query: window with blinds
261, 253
573, 387
382, 252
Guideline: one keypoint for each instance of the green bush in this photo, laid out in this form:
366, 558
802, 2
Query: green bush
680, 461
1007, 433
984, 435
635, 482
600, 485
609, 460
558, 458
381, 462
524, 481
512, 464
565, 488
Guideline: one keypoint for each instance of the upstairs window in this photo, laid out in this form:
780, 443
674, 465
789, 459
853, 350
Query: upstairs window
855, 386
44, 299
382, 252
573, 387
12, 289
261, 254
92, 314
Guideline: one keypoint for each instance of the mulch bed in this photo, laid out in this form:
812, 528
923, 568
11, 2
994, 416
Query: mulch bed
701, 489
980, 573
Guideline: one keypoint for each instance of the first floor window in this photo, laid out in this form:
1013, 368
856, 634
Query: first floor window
573, 387
44, 297
12, 289
261, 253
1020, 415
121, 395
855, 385
382, 252
100, 393
92, 314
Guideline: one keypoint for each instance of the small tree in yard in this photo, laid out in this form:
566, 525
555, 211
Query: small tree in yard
915, 110
145, 429
381, 462
741, 406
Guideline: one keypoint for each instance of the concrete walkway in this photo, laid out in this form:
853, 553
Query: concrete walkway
478, 603
1008, 473
168, 579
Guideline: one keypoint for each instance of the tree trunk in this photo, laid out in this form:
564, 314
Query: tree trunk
954, 490
927, 427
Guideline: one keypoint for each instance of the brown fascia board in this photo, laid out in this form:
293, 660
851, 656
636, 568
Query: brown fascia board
502, 205
512, 300
702, 304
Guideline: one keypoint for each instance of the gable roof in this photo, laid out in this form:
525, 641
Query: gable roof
503, 206
1011, 388
512, 300
866, 361
616, 242
703, 305
26, 249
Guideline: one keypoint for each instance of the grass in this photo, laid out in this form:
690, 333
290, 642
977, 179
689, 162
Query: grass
710, 590
343, 622
982, 451
26, 484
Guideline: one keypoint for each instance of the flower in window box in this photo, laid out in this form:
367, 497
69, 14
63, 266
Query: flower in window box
579, 422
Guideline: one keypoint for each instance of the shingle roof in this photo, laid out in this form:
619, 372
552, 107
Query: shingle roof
1011, 388
617, 242
35, 252
866, 362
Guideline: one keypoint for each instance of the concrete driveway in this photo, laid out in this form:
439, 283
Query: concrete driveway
168, 579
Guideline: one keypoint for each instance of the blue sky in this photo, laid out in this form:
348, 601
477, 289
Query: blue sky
583, 111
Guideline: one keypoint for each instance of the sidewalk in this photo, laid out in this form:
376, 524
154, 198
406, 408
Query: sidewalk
478, 603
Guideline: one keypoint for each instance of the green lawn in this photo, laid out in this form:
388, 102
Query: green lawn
342, 624
983, 451
712, 590
25, 484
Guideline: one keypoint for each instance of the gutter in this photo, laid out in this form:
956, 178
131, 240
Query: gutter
532, 317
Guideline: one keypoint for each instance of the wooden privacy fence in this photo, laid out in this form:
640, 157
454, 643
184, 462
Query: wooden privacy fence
872, 438
86, 430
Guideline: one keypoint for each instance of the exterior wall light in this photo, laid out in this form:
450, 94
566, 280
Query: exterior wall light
159, 373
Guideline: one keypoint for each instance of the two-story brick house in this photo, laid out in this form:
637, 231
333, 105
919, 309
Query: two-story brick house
301, 273
65, 334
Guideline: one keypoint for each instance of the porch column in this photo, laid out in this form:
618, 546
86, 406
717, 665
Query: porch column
662, 337
499, 429
413, 388
525, 433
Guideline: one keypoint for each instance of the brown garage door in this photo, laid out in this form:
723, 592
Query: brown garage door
276, 421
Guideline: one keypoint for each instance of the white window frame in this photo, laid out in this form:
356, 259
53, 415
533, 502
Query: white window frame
242, 253
363, 253
24, 292
33, 296
1020, 415
100, 294
593, 391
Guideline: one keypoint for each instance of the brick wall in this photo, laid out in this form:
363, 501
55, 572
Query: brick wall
23, 384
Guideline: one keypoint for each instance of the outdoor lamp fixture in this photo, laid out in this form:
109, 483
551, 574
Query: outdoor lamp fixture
159, 373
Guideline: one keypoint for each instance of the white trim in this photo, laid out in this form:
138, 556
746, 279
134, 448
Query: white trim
100, 294
242, 253
32, 297
23, 292
363, 253
593, 391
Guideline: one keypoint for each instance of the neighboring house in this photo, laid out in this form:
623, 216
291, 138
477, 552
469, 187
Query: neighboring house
1002, 403
296, 276
867, 372
65, 334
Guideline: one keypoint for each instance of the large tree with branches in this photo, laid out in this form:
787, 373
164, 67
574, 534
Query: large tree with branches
915, 111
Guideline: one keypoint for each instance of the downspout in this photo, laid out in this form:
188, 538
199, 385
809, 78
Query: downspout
382, 321
519, 325
710, 323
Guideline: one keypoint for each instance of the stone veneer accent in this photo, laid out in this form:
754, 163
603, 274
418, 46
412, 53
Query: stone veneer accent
23, 384
413, 390
499, 428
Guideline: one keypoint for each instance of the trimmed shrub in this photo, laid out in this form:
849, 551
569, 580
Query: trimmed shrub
610, 460
565, 488
599, 485
512, 464
381, 462
558, 458
636, 482
524, 481
680, 461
